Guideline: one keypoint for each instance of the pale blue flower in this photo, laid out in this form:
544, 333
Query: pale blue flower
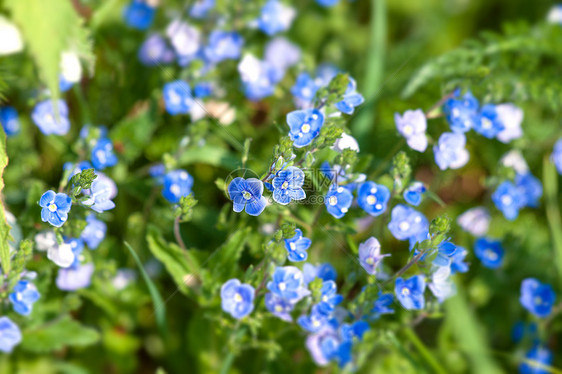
176, 184
10, 335
297, 246
410, 292
55, 208
304, 126
23, 295
370, 255
538, 298
75, 277
9, 120
338, 200
247, 194
450, 151
412, 125
237, 299
373, 198
44, 117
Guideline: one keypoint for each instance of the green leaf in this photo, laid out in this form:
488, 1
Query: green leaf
50, 27
228, 254
134, 133
4, 227
159, 305
550, 179
57, 334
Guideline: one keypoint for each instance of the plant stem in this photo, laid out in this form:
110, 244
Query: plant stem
177, 234
423, 350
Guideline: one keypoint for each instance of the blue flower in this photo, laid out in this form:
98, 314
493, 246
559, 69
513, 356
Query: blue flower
297, 246
275, 17
55, 208
287, 282
138, 14
315, 321
370, 255
338, 200
281, 54
356, 330
489, 252
259, 77
382, 304
410, 292
23, 296
457, 261
445, 252
76, 246
99, 198
450, 151
329, 297
537, 358
177, 97
510, 117
462, 114
538, 298
278, 306
304, 126
43, 116
325, 272
9, 120
441, 285
530, 187
414, 193
154, 51
412, 125
489, 124
351, 98
327, 3
186, 41
247, 194
176, 184
373, 198
102, 154
200, 8
94, 232
203, 89
10, 335
223, 45
288, 185
476, 221
556, 156
305, 88
406, 222
237, 299
509, 200
75, 277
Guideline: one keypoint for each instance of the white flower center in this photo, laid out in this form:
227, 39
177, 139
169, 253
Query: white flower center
370, 261
292, 246
378, 206
333, 200
175, 189
491, 255
52, 207
247, 195
285, 185
237, 297
371, 199
404, 226
537, 300
305, 128
278, 308
506, 200
405, 291
408, 130
486, 123
282, 286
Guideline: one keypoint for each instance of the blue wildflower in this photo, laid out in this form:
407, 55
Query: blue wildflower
247, 194
10, 335
457, 261
275, 17
55, 207
373, 198
304, 126
203, 89
76, 246
327, 3
414, 193
186, 41
441, 285
538, 298
329, 297
75, 277
177, 97
154, 51
530, 187
356, 330
100, 194
201, 7
489, 252
297, 246
258, 77
315, 321
9, 120
223, 45
237, 299
537, 359
412, 125
288, 185
510, 117
102, 154
462, 114
406, 222
94, 232
139, 15
325, 272
281, 54
23, 296
279, 306
370, 255
43, 116
287, 282
489, 124
382, 304
410, 292
351, 98
450, 151
508, 199
305, 88
445, 252
338, 200
476, 221
556, 156
176, 184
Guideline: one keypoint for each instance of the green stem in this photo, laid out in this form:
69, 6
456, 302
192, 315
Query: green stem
550, 181
423, 350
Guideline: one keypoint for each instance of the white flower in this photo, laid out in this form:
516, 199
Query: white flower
476, 221
511, 117
346, 142
61, 255
441, 286
555, 14
45, 240
185, 39
514, 159
250, 68
70, 67
10, 37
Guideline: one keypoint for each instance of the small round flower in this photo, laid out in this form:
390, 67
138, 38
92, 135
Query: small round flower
275, 17
530, 187
489, 252
138, 14
102, 154
383, 304
154, 51
370, 255
346, 142
44, 117
279, 307
287, 282
327, 3
10, 37
176, 184
237, 299
414, 193
511, 117
9, 120
410, 292
508, 199
406, 222
10, 335
538, 298
315, 321
185, 39
55, 208
462, 114
177, 97
351, 98
305, 88
457, 261
247, 194
329, 297
373, 198
258, 77
281, 54
75, 277
297, 246
203, 89
412, 125
287, 185
223, 45
338, 200
99, 195
538, 357
62, 255
94, 232
441, 285
476, 221
200, 8
450, 151
23, 296
323, 271
490, 123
